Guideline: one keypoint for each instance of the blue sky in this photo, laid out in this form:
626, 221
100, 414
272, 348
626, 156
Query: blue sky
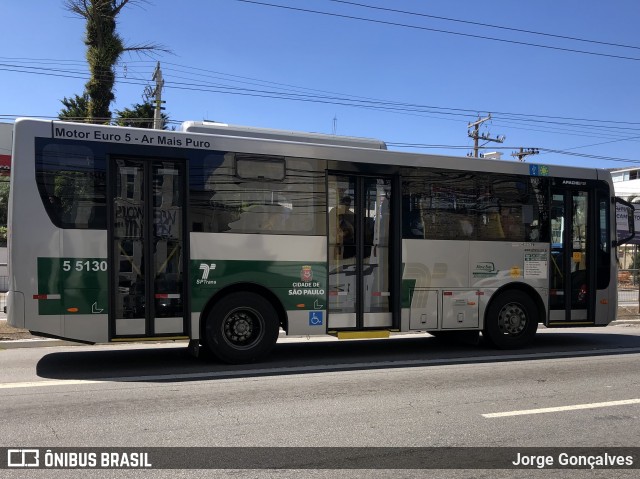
552, 99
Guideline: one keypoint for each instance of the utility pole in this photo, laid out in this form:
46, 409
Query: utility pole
157, 114
475, 134
523, 153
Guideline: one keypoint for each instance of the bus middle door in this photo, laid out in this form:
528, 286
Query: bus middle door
360, 251
572, 276
147, 230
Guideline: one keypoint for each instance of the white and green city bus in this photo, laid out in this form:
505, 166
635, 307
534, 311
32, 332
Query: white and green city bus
226, 236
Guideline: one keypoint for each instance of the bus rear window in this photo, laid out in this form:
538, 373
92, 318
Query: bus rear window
72, 183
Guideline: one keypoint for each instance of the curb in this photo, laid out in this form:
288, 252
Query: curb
35, 343
48, 343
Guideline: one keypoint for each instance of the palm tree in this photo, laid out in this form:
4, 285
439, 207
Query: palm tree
139, 116
104, 49
75, 108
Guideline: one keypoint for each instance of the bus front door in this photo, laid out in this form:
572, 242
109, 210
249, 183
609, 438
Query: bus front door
361, 270
572, 275
147, 254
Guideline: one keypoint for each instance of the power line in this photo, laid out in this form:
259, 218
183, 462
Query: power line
441, 113
462, 112
589, 126
587, 155
437, 30
488, 25
548, 150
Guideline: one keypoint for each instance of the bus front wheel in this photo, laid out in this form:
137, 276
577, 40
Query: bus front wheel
241, 328
511, 320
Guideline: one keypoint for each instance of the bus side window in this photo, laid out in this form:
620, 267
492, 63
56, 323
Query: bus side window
72, 183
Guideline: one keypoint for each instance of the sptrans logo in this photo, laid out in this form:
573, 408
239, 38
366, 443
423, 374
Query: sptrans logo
206, 269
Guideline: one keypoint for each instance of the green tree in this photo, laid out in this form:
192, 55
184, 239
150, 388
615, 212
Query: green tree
4, 206
4, 199
75, 108
139, 116
104, 49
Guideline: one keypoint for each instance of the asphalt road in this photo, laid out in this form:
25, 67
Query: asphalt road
565, 391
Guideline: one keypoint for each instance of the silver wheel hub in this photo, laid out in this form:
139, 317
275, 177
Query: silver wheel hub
243, 328
238, 327
512, 319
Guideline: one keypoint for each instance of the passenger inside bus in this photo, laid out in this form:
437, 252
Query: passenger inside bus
342, 222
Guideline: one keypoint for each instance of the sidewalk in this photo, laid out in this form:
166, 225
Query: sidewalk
11, 338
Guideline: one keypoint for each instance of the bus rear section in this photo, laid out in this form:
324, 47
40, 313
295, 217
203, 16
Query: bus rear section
98, 236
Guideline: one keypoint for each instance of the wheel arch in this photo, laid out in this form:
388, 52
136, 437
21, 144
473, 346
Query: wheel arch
244, 288
523, 287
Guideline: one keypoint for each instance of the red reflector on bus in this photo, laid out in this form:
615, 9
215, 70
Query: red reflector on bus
47, 296
73, 310
448, 293
300, 305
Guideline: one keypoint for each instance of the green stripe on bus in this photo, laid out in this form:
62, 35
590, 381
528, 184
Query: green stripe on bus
298, 285
81, 283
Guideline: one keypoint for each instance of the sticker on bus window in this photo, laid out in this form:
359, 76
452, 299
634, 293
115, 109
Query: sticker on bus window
538, 170
535, 264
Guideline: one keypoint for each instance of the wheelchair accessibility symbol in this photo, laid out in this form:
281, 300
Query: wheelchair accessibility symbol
315, 318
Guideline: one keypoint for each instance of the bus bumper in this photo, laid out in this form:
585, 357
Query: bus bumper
15, 309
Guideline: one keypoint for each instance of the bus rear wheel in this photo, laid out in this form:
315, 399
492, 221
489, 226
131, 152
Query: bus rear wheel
241, 328
511, 321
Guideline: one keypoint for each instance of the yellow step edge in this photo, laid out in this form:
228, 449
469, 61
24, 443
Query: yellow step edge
571, 323
362, 334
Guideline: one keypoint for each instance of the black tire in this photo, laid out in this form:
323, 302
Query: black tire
511, 321
241, 328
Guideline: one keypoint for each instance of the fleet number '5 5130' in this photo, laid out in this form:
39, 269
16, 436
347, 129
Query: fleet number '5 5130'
84, 265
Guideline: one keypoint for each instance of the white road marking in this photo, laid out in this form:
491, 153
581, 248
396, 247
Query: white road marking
55, 382
574, 407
